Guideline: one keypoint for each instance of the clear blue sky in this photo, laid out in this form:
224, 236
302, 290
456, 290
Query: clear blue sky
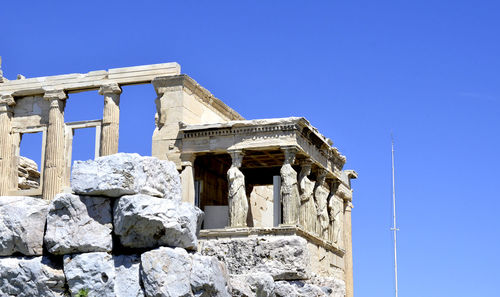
427, 70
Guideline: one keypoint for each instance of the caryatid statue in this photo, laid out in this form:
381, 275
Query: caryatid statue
238, 203
307, 212
289, 189
321, 196
335, 210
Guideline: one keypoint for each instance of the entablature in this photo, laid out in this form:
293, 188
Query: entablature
93, 80
264, 135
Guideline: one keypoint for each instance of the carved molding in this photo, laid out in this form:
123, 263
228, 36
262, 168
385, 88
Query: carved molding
55, 95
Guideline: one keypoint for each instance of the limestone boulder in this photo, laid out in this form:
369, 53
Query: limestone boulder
166, 272
77, 224
126, 174
142, 221
28, 174
22, 223
332, 286
94, 272
257, 284
31, 276
240, 288
300, 288
127, 276
103, 275
283, 257
208, 277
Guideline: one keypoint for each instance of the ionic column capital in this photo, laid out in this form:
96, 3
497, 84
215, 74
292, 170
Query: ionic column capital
52, 95
7, 100
110, 88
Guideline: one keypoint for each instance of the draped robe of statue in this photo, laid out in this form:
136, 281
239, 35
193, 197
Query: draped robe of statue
238, 203
321, 196
307, 212
336, 220
335, 211
289, 195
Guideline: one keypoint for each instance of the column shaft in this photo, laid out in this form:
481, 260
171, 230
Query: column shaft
110, 119
54, 150
187, 178
7, 173
348, 264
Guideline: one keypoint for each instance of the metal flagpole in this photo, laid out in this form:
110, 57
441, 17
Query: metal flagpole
394, 229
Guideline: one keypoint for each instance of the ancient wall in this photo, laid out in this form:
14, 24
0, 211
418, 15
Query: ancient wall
181, 99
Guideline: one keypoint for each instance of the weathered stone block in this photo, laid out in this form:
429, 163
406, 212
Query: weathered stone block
257, 284
22, 223
126, 174
103, 274
77, 224
143, 221
27, 277
94, 272
283, 257
173, 272
166, 272
298, 289
208, 277
127, 276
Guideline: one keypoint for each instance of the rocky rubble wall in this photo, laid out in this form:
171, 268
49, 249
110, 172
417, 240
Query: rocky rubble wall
28, 176
280, 266
125, 232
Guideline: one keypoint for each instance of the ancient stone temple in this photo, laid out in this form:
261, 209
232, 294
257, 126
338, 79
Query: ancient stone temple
263, 184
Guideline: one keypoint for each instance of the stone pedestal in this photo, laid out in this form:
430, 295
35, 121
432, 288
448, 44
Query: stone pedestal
8, 170
110, 119
54, 152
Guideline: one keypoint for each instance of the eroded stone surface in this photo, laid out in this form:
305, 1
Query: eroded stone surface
90, 271
166, 272
208, 277
27, 277
143, 221
126, 174
257, 284
77, 224
28, 176
22, 223
283, 257
127, 277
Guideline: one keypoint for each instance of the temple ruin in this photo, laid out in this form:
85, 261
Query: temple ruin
252, 178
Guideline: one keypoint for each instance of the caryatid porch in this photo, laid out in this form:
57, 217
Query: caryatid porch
223, 163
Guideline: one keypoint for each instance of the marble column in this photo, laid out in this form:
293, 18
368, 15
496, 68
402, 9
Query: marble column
348, 264
110, 119
237, 197
7, 173
53, 173
187, 178
290, 197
